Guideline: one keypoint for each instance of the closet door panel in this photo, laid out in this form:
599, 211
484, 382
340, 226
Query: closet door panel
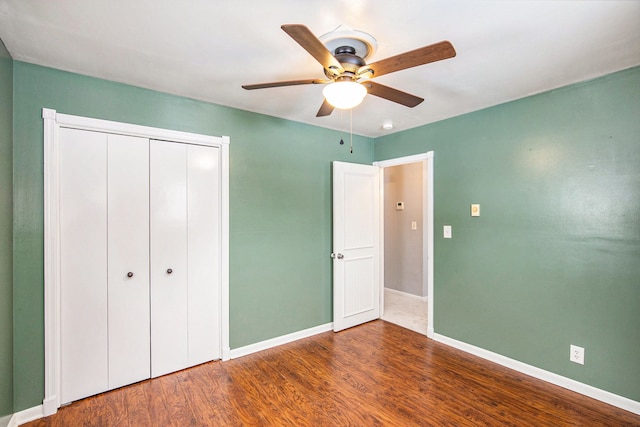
203, 236
83, 263
168, 214
128, 237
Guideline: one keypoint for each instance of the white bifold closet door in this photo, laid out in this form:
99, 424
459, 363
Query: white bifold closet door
139, 273
128, 259
83, 264
104, 217
169, 296
203, 257
184, 270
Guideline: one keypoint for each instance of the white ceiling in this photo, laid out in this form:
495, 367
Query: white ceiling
206, 49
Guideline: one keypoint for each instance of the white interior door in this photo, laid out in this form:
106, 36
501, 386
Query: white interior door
168, 219
128, 254
356, 244
83, 264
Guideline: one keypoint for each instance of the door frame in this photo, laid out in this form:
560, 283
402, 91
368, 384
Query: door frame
427, 231
53, 121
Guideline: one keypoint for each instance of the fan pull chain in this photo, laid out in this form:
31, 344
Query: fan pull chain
351, 129
341, 138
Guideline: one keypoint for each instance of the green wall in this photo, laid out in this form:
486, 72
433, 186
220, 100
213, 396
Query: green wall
6, 243
280, 206
554, 259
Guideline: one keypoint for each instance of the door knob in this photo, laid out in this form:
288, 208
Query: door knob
129, 274
169, 271
339, 256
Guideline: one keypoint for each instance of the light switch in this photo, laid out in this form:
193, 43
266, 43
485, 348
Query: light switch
399, 206
447, 231
414, 225
475, 210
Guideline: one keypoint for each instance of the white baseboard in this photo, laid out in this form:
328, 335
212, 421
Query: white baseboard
430, 332
274, 342
405, 294
50, 406
226, 354
559, 380
25, 416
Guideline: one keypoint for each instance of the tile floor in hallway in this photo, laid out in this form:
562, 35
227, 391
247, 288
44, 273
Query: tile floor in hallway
405, 310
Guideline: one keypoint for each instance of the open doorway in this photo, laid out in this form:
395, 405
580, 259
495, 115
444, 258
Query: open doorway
408, 242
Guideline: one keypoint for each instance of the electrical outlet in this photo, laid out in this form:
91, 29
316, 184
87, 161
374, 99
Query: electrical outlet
576, 354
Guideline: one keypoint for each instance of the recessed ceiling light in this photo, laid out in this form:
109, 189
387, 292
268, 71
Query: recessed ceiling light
387, 126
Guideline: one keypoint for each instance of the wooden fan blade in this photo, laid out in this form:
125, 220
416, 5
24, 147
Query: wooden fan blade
284, 83
314, 46
392, 94
325, 109
413, 58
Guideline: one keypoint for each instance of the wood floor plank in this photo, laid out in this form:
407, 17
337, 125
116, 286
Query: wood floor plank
115, 408
377, 374
178, 412
136, 405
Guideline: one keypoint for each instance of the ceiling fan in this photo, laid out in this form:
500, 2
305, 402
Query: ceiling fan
348, 75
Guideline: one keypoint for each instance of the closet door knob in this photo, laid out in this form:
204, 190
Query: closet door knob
129, 274
169, 271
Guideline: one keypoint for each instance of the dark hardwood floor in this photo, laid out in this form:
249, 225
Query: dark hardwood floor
374, 374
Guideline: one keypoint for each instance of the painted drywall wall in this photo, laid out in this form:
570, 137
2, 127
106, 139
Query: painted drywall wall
280, 206
402, 245
6, 239
553, 259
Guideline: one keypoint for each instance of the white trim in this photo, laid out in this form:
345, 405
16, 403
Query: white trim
405, 294
381, 240
88, 123
284, 339
427, 216
550, 377
224, 189
26, 416
51, 265
403, 160
428, 186
53, 121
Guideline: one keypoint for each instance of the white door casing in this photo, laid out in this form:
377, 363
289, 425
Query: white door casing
56, 125
428, 219
356, 244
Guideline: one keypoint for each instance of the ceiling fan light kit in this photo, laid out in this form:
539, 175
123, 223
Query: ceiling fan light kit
342, 54
344, 94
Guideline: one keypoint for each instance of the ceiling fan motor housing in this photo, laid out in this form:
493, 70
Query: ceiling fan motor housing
350, 62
